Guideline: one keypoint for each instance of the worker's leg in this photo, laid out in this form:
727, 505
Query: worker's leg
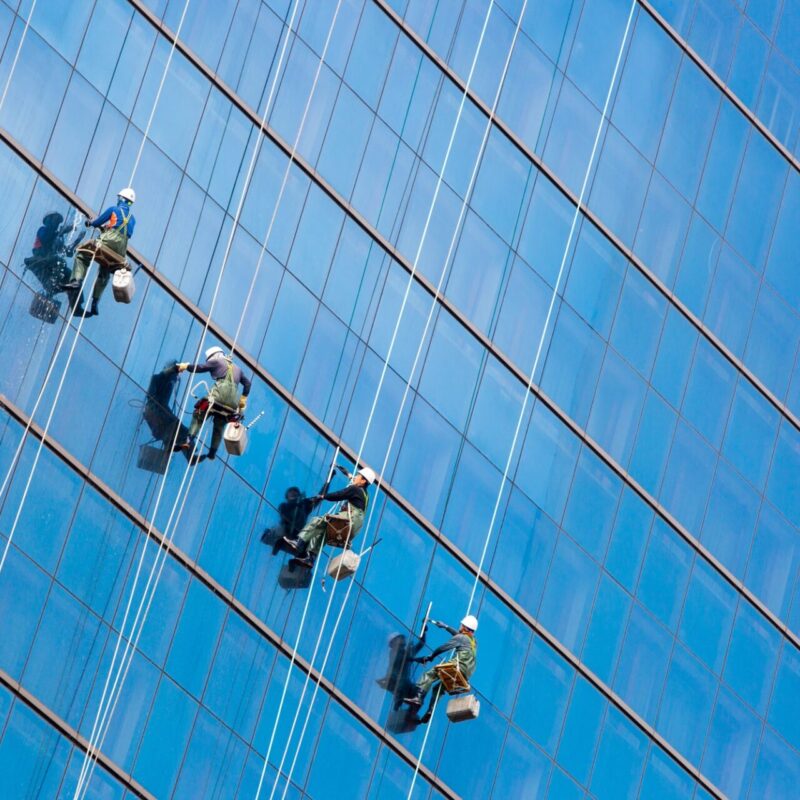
313, 534
196, 424
80, 266
427, 679
216, 434
103, 277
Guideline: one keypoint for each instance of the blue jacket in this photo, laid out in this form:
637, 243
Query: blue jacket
114, 216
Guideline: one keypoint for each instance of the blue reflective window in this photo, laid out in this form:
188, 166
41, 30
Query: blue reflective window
618, 769
523, 769
606, 629
581, 731
782, 484
652, 443
592, 504
688, 700
543, 695
708, 615
698, 264
665, 574
731, 747
595, 279
629, 539
784, 711
730, 518
664, 779
780, 264
674, 357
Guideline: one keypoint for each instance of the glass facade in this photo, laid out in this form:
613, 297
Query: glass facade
382, 253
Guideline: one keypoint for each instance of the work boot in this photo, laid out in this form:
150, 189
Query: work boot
212, 454
186, 444
80, 311
196, 459
425, 718
295, 546
306, 561
416, 698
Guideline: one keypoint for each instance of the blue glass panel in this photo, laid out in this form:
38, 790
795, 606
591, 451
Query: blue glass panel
618, 769
620, 185
674, 357
688, 700
662, 229
168, 729
643, 663
782, 485
750, 435
195, 638
569, 593
755, 205
731, 748
592, 504
652, 443
708, 615
665, 574
713, 33
748, 64
784, 711
617, 408
780, 270
664, 779
595, 279
688, 128
543, 695
581, 730
523, 769
370, 55
573, 365
500, 186
698, 264
774, 560
638, 321
709, 392
547, 462
777, 769
730, 518
606, 629
722, 165
629, 539
752, 656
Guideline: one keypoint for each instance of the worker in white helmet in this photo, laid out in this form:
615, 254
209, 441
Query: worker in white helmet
223, 400
464, 647
108, 251
355, 497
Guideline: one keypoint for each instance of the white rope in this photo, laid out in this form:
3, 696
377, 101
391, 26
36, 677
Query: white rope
17, 54
384, 370
550, 308
541, 338
66, 327
248, 178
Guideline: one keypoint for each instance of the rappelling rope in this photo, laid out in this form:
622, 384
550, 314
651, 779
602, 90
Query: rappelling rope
57, 351
384, 370
17, 54
542, 337
224, 263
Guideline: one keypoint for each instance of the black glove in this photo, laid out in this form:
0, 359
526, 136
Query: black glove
342, 469
88, 224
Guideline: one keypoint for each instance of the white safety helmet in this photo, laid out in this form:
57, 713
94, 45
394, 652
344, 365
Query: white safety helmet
127, 194
367, 474
213, 351
470, 623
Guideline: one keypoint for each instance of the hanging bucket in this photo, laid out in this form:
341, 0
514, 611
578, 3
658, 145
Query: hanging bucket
123, 285
344, 565
235, 438
463, 707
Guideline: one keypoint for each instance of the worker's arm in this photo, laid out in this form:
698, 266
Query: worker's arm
102, 219
343, 494
444, 626
246, 384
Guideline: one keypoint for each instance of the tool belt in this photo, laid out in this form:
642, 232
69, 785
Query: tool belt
103, 255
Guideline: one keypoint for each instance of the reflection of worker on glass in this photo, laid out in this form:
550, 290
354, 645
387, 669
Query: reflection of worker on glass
108, 251
293, 513
222, 403
164, 424
463, 647
310, 540
48, 259
398, 681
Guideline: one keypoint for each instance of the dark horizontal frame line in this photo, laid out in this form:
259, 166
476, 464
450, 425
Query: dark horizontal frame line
754, 120
459, 316
69, 733
216, 588
286, 649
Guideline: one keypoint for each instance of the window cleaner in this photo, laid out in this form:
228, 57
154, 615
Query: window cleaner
222, 403
337, 530
109, 251
452, 675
